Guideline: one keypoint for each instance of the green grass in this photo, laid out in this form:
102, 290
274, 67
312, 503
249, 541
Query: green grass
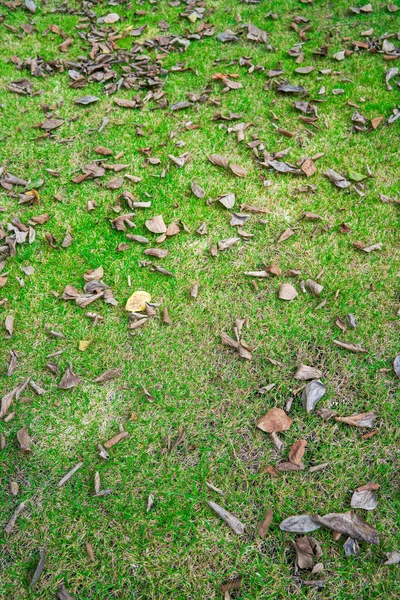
180, 549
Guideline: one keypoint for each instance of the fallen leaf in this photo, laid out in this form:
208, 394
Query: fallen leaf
108, 375
299, 524
351, 547
117, 438
287, 292
275, 420
234, 523
350, 346
227, 200
365, 499
396, 365
156, 224
360, 420
351, 524
39, 569
286, 235
312, 393
297, 451
392, 558
69, 379
197, 190
137, 302
24, 439
305, 372
263, 526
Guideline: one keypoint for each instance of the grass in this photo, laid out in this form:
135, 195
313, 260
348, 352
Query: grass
180, 549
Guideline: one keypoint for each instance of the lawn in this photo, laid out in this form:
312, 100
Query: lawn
190, 403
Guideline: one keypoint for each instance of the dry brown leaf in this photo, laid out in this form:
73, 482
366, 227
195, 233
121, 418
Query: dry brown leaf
350, 346
287, 292
359, 420
305, 372
24, 439
117, 438
263, 526
230, 519
156, 224
274, 420
286, 235
297, 451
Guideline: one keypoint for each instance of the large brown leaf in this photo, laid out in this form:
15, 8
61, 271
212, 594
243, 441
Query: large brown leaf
349, 523
274, 420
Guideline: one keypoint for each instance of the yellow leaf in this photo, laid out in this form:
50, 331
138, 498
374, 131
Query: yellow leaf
137, 302
83, 344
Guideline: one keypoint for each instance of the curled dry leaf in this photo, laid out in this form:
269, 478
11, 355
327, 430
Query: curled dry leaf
365, 499
156, 224
230, 519
299, 524
274, 421
218, 160
305, 372
94, 274
313, 287
137, 302
307, 549
287, 292
286, 465
39, 569
297, 451
312, 393
263, 526
349, 523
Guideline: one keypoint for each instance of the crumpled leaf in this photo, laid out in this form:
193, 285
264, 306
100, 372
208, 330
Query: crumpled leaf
349, 523
232, 521
392, 558
274, 420
351, 547
307, 549
299, 524
197, 190
218, 160
337, 179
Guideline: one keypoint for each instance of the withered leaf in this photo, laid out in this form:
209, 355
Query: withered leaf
238, 170
24, 439
10, 525
396, 365
69, 379
63, 594
365, 499
349, 523
308, 167
263, 526
356, 348
137, 302
304, 553
156, 224
286, 235
337, 179
86, 100
297, 451
287, 292
227, 200
234, 523
299, 524
286, 465
305, 372
351, 547
360, 420
39, 569
68, 239
68, 476
12, 364
218, 160
274, 420
108, 375
9, 325
392, 558
49, 124
312, 393
117, 438
227, 243
197, 190
313, 287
